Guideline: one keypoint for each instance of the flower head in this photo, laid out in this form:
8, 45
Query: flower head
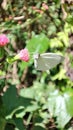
23, 55
3, 40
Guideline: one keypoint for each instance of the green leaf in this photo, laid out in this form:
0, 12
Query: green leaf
57, 108
19, 124
38, 128
55, 43
38, 44
61, 75
13, 102
70, 19
27, 93
2, 123
38, 122
9, 127
63, 117
34, 92
10, 98
32, 108
69, 100
2, 73
63, 36
51, 29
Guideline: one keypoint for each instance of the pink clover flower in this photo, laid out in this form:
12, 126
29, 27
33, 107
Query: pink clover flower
24, 55
3, 40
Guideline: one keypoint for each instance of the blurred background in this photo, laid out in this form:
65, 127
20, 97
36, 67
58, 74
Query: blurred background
31, 99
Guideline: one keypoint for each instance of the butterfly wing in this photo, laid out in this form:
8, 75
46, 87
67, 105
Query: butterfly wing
47, 61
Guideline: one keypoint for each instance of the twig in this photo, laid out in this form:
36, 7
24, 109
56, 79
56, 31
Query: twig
18, 18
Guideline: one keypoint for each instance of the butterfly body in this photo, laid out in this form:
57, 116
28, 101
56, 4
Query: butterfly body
47, 61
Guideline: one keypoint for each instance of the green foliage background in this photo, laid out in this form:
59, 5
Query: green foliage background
30, 99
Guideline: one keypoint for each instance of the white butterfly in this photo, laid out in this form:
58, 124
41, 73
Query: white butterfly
47, 61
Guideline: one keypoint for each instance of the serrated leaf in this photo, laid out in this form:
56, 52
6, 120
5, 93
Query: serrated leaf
55, 43
63, 116
57, 108
63, 36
